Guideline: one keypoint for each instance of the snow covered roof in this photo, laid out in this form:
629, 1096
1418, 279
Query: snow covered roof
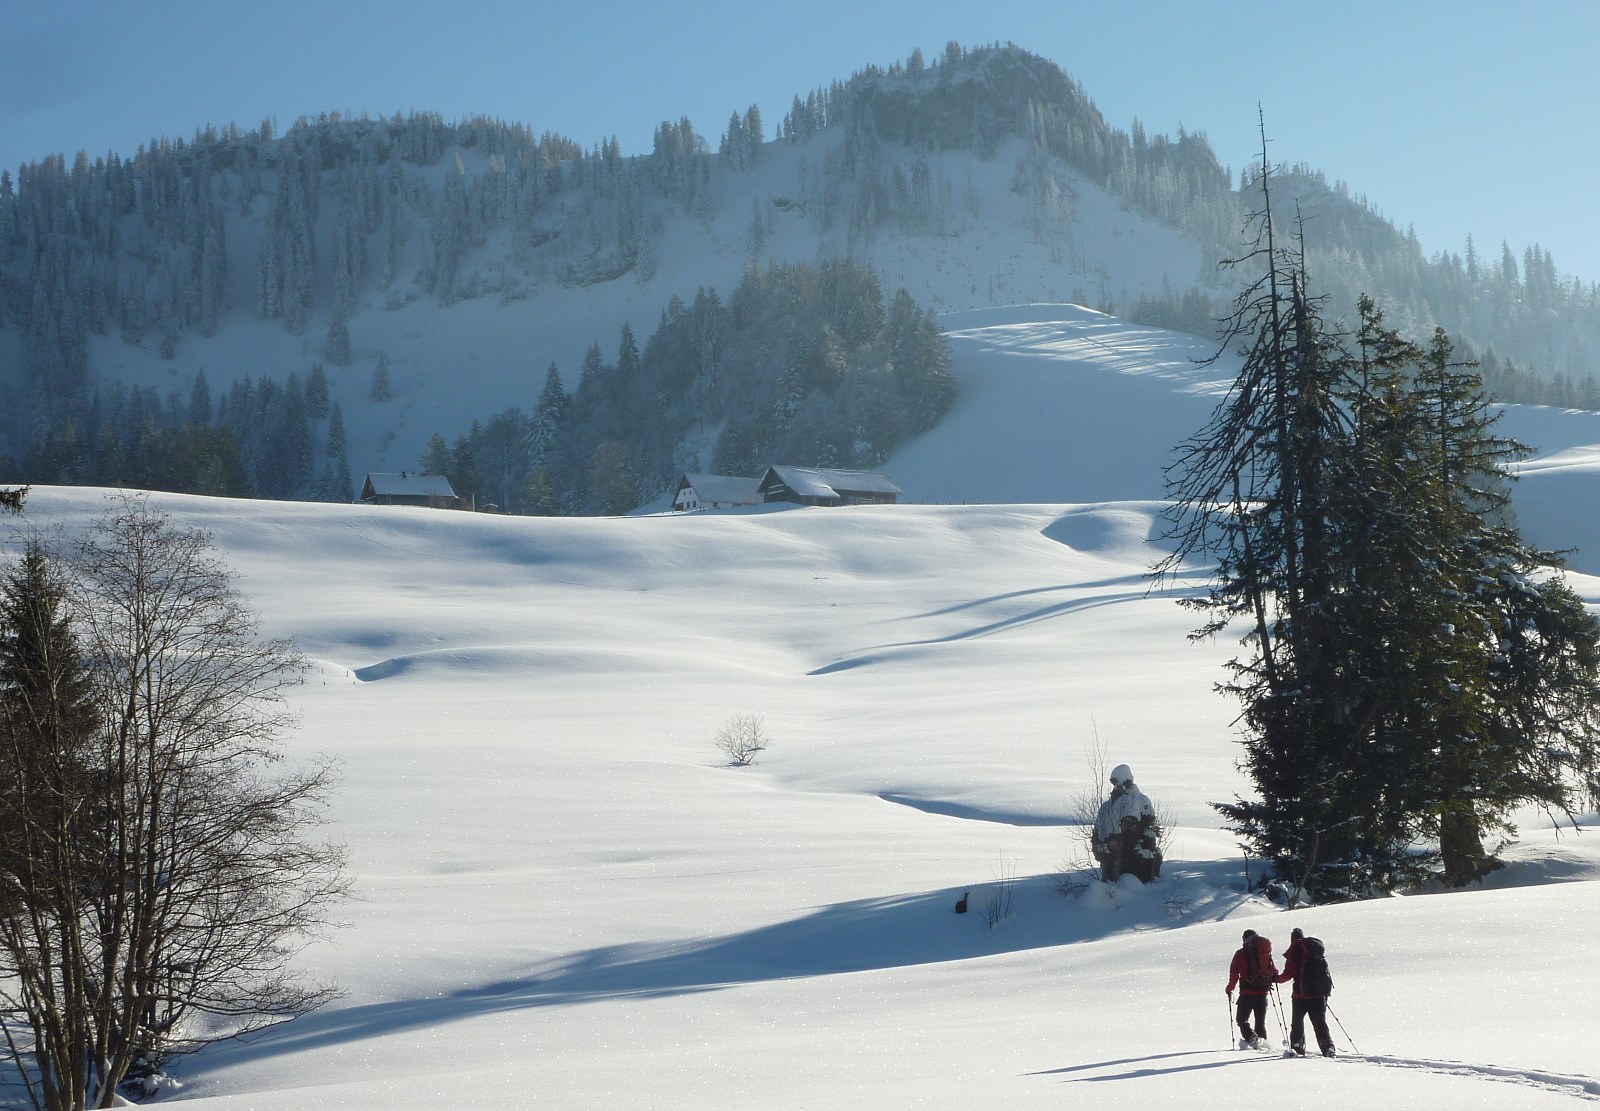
724, 488
407, 484
822, 482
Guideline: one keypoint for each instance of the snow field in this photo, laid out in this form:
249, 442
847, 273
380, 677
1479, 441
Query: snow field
565, 898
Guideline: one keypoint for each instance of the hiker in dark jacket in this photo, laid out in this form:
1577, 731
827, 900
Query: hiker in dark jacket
1253, 971
1306, 964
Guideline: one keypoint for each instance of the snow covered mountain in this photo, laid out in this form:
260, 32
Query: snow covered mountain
465, 259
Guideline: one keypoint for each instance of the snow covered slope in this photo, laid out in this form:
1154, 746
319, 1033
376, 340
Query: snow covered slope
1063, 404
566, 899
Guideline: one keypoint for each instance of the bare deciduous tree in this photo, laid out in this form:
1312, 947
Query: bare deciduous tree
198, 878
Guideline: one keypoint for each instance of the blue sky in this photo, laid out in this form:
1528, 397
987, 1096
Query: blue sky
1458, 117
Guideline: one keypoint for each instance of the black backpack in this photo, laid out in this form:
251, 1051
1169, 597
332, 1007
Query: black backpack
1315, 979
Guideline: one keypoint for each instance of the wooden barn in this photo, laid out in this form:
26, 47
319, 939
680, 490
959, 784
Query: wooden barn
715, 491
407, 488
822, 486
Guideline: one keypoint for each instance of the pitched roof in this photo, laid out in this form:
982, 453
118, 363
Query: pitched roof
823, 482
724, 488
409, 484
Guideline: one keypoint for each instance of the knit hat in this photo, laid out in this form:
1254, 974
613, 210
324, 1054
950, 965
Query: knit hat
1297, 933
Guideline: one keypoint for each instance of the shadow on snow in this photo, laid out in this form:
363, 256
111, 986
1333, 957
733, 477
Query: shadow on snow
857, 936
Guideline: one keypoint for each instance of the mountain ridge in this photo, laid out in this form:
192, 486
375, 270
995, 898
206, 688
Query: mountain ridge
468, 257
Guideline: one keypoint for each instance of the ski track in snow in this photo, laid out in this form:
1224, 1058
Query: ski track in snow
1582, 1087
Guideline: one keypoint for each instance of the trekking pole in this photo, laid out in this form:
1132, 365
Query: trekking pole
1277, 1005
1230, 1020
1343, 1031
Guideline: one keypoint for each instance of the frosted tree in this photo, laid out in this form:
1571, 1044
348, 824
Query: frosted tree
393, 224
756, 237
629, 364
734, 148
548, 415
317, 392
213, 271
754, 137
382, 389
200, 400
450, 224
336, 347
610, 482
435, 458
337, 440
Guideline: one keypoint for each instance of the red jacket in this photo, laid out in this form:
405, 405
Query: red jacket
1238, 968
1294, 966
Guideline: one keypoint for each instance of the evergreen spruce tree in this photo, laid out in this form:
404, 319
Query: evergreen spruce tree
548, 414
1355, 500
343, 489
317, 392
50, 851
627, 358
382, 389
463, 468
435, 457
541, 496
611, 489
336, 347
200, 401
1520, 650
337, 444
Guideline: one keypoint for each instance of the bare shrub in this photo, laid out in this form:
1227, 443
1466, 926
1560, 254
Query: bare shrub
1000, 903
1083, 809
742, 737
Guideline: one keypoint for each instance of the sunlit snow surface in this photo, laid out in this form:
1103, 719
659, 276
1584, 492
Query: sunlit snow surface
566, 899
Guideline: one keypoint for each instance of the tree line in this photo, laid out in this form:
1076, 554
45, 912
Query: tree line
802, 364
260, 439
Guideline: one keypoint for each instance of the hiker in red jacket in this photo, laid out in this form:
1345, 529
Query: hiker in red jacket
1254, 973
1306, 963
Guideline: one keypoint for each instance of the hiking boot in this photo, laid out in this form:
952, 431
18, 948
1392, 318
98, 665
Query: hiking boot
1327, 1051
1299, 1050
